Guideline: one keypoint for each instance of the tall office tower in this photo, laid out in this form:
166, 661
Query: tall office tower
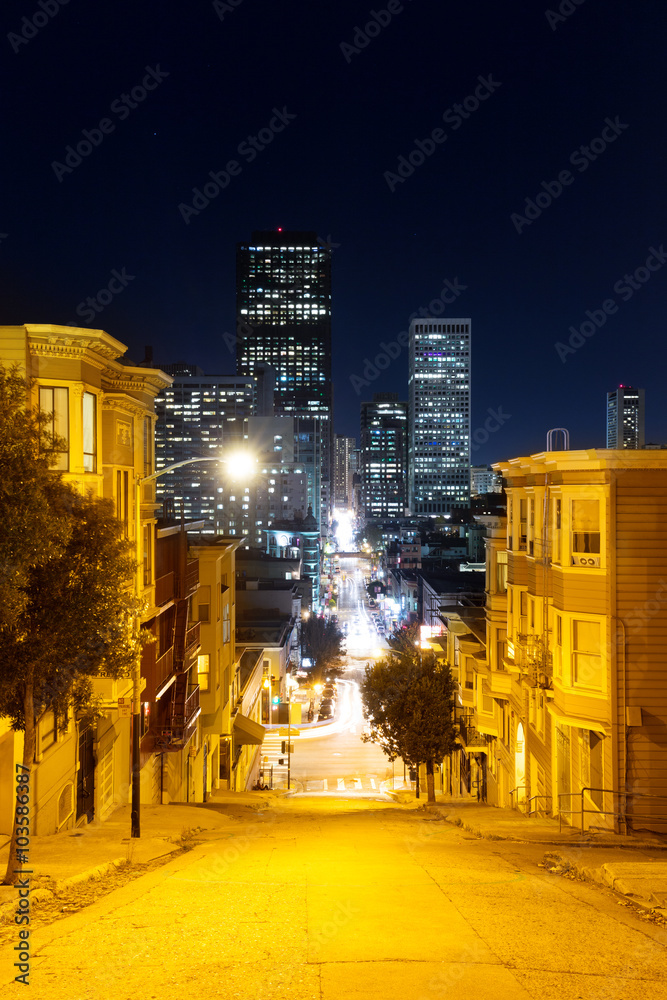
384, 455
439, 438
625, 418
199, 416
283, 306
342, 470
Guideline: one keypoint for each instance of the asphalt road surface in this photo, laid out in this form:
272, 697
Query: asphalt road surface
330, 899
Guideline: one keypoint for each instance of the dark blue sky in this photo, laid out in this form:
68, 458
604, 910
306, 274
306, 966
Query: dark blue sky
223, 72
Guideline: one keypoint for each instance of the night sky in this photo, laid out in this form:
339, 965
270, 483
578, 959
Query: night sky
220, 73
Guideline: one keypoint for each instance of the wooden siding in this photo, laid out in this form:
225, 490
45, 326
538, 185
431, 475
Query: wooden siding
580, 590
641, 603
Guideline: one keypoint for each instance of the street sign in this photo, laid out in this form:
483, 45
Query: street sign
289, 732
124, 708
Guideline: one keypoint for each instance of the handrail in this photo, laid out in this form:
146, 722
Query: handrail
620, 813
530, 809
518, 788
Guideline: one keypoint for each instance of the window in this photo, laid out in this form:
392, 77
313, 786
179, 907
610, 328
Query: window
148, 448
586, 658
47, 732
501, 572
204, 604
55, 402
585, 526
147, 555
89, 432
204, 671
226, 623
557, 534
531, 526
523, 517
558, 648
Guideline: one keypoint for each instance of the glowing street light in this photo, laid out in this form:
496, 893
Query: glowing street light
241, 463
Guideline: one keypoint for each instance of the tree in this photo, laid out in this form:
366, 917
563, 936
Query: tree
321, 640
73, 612
408, 700
35, 527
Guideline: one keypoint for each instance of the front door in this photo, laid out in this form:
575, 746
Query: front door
85, 780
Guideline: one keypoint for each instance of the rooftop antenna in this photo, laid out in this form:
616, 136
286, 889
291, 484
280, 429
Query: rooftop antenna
552, 434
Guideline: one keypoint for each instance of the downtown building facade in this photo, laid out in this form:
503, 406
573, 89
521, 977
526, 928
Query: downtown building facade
439, 415
625, 418
343, 471
384, 456
283, 304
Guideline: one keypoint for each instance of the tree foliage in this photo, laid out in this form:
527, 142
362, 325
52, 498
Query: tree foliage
67, 576
321, 640
408, 701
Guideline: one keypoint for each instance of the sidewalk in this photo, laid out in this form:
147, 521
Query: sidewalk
65, 859
633, 866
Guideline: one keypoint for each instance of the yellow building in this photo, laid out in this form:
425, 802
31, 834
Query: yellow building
104, 411
577, 700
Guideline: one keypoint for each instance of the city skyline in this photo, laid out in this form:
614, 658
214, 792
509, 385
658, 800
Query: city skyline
509, 183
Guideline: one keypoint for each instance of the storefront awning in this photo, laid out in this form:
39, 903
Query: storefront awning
246, 731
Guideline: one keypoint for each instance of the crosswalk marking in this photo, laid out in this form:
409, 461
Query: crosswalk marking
341, 784
357, 783
326, 785
372, 782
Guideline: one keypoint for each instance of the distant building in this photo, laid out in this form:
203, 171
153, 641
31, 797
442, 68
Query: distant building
199, 416
439, 434
384, 468
344, 448
283, 304
484, 480
625, 418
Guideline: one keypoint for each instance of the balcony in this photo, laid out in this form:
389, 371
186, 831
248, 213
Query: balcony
165, 589
470, 738
534, 659
191, 577
181, 718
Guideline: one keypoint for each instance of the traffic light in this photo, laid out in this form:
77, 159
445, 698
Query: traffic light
276, 699
281, 760
283, 746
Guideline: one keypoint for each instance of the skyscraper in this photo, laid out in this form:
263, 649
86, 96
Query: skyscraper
384, 456
439, 408
283, 300
199, 416
625, 417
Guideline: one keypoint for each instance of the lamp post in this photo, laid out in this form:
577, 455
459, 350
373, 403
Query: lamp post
136, 670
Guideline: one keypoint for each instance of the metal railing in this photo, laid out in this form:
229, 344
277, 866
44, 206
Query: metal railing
535, 810
518, 788
619, 812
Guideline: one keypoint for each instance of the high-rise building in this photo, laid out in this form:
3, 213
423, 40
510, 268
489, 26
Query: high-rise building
439, 409
344, 448
625, 417
384, 456
199, 416
283, 304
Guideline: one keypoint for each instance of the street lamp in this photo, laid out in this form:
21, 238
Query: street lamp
240, 463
